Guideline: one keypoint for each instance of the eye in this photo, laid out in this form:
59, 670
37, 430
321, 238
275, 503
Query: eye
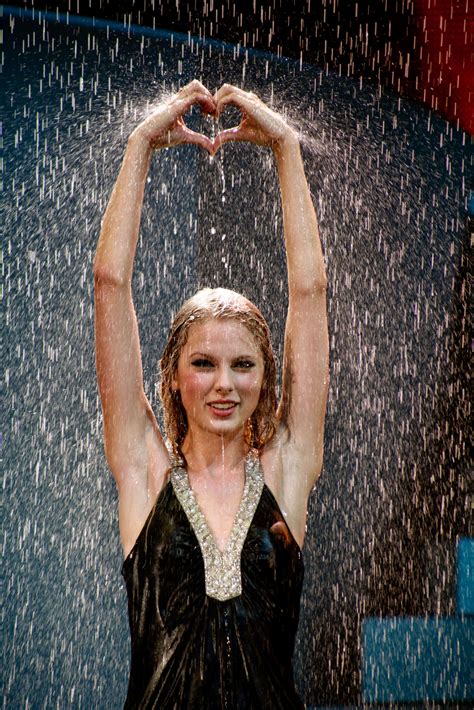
244, 364
202, 362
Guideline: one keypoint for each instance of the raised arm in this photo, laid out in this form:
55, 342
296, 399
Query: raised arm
134, 448
299, 441
306, 355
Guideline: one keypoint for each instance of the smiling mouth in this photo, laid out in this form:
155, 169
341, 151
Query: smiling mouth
222, 408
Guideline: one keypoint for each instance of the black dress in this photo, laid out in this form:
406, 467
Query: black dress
213, 630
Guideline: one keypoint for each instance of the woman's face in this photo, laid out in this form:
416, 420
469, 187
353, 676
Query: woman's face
219, 376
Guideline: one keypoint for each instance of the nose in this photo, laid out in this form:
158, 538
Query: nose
224, 381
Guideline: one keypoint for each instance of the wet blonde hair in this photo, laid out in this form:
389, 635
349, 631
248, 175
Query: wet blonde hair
218, 303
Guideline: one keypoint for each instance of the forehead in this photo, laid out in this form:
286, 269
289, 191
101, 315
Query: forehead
221, 336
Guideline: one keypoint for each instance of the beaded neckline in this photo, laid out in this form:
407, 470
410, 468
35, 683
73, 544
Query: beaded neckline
222, 568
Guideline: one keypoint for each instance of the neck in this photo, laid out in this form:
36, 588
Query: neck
214, 454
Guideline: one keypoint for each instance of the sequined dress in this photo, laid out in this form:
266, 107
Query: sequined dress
211, 629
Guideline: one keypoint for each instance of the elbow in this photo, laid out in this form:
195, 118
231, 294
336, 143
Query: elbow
320, 285
310, 289
320, 281
104, 276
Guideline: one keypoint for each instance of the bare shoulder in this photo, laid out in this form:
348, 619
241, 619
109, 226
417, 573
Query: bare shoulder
158, 459
289, 474
139, 489
271, 460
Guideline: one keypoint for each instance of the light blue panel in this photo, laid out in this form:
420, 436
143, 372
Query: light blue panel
465, 575
415, 658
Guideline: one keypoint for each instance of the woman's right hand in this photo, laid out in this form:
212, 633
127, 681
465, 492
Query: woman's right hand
165, 126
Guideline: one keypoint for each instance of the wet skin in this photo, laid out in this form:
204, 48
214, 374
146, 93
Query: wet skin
219, 376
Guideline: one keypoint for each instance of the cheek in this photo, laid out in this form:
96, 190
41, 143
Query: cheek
252, 386
193, 385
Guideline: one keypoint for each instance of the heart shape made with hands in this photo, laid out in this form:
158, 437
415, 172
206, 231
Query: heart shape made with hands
223, 134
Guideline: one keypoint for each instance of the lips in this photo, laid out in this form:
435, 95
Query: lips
222, 408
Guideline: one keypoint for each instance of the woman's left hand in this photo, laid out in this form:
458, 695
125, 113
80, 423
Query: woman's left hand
259, 123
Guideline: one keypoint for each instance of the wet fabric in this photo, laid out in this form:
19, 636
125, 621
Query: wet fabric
192, 651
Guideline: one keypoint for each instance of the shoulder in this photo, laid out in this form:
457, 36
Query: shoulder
139, 490
290, 474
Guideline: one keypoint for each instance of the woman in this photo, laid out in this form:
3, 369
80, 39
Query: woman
212, 535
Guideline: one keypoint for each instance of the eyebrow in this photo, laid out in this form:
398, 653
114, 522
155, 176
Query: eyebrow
211, 357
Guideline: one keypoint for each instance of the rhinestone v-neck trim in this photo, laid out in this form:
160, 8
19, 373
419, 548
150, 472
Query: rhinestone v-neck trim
222, 569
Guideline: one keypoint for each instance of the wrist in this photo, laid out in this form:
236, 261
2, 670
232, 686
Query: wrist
139, 140
287, 147
139, 149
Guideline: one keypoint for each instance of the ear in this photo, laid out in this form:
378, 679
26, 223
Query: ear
174, 385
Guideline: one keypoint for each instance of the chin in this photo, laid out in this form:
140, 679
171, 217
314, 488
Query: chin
226, 428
